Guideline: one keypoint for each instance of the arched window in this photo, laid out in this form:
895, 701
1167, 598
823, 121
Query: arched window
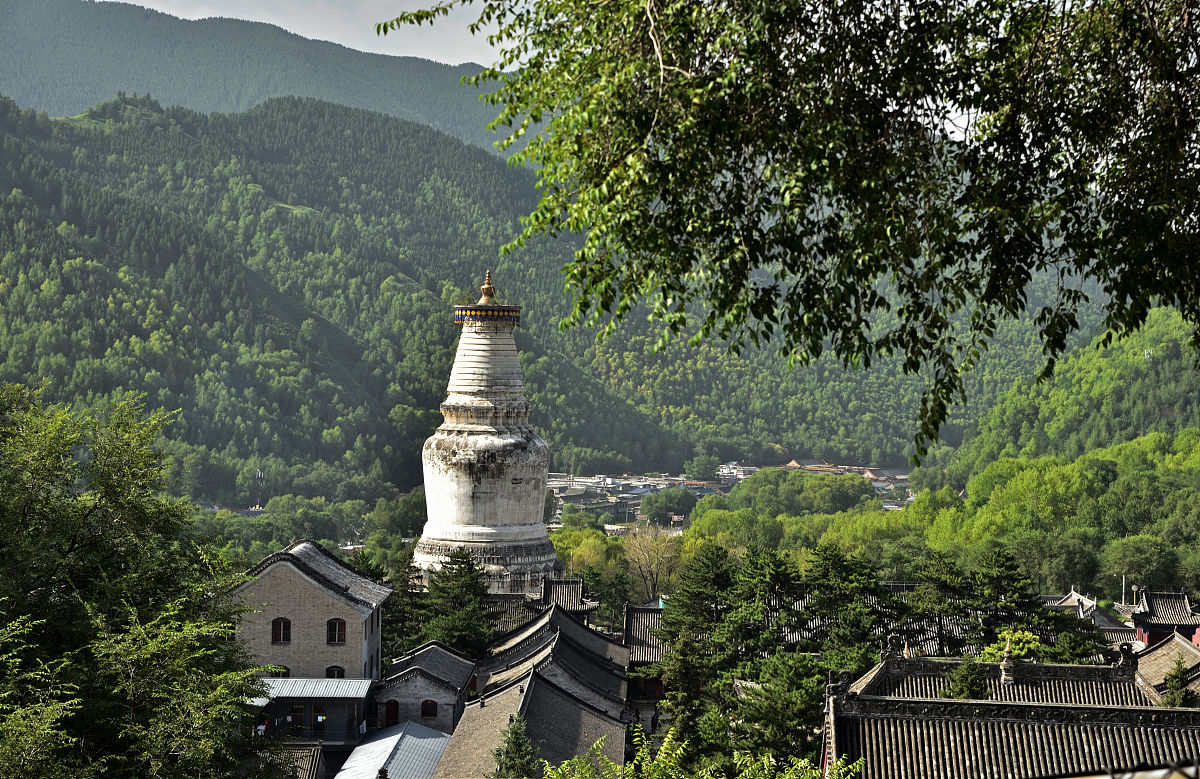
281, 672
281, 630
335, 672
428, 708
335, 631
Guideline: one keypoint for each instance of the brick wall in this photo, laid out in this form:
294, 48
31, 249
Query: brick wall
409, 693
283, 591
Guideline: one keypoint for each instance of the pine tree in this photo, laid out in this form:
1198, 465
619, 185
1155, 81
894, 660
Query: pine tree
782, 715
517, 757
937, 606
1177, 694
845, 609
458, 615
968, 681
762, 613
405, 614
689, 624
1003, 597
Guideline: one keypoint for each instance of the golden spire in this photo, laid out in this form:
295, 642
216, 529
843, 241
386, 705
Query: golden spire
489, 292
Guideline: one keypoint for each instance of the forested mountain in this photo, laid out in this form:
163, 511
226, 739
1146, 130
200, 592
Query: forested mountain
63, 56
284, 276
1098, 396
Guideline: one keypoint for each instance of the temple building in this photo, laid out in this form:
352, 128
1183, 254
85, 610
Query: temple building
485, 466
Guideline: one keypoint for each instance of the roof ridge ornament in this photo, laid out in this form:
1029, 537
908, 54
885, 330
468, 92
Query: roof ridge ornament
487, 291
1008, 666
1127, 662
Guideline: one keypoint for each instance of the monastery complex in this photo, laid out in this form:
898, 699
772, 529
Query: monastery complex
348, 713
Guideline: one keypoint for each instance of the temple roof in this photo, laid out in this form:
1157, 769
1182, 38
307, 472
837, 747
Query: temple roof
922, 678
1053, 720
312, 560
953, 740
560, 724
1164, 608
641, 634
435, 660
566, 594
1155, 662
563, 650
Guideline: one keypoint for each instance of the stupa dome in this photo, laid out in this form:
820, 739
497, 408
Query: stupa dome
485, 466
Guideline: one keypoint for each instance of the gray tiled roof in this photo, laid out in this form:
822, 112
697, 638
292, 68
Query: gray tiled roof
1062, 721
567, 653
407, 751
562, 726
468, 754
559, 724
944, 740
555, 620
1121, 635
641, 634
1035, 683
303, 762
439, 661
540, 623
512, 610
327, 570
589, 639
501, 670
567, 594
1155, 662
1165, 608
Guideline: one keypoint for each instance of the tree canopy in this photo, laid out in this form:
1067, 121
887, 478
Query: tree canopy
115, 658
864, 178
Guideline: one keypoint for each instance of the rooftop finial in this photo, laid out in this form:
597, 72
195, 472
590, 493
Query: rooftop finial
489, 291
1008, 666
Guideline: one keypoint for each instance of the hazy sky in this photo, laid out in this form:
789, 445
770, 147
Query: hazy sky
348, 22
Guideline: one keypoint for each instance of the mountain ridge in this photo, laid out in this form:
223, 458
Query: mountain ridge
64, 56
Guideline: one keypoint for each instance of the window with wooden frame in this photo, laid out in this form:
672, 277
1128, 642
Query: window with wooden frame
281, 630
335, 631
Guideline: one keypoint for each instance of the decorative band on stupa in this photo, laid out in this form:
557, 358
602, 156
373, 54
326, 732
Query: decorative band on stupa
487, 310
475, 313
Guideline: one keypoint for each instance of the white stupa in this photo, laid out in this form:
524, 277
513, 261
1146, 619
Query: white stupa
485, 467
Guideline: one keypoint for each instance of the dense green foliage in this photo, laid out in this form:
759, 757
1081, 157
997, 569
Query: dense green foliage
63, 56
1099, 396
659, 506
788, 509
290, 296
968, 681
284, 277
517, 757
453, 607
1126, 509
669, 760
753, 637
702, 467
1177, 693
117, 659
870, 180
